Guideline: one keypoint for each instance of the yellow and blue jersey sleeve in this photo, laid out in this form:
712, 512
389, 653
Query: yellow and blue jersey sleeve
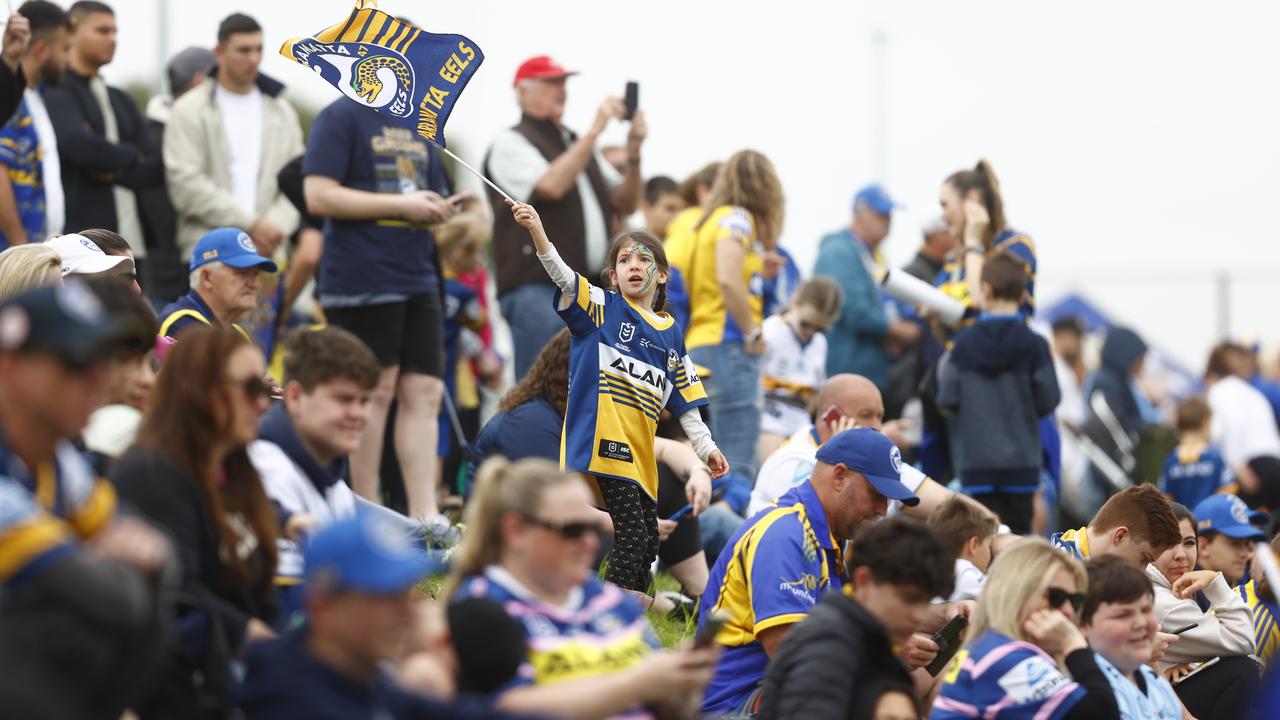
586, 313
689, 391
29, 535
775, 578
1266, 633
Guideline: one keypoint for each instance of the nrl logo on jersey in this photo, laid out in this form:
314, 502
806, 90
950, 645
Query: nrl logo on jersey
626, 331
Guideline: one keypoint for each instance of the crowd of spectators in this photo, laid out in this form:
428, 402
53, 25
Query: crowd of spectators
245, 467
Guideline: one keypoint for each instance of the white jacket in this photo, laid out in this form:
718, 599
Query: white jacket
285, 483
1227, 629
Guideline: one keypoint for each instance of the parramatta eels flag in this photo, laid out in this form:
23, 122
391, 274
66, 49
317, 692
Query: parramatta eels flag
411, 76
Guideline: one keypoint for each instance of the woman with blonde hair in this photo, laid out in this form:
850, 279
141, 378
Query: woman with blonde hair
1022, 635
725, 274
585, 649
23, 267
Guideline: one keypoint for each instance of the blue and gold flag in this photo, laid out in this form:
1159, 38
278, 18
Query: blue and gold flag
411, 76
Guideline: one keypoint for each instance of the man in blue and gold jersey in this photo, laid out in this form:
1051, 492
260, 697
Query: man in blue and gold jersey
78, 617
778, 564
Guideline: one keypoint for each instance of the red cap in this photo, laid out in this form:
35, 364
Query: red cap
541, 67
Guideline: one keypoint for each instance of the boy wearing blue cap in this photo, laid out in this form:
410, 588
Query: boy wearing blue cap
361, 574
1228, 531
777, 566
224, 283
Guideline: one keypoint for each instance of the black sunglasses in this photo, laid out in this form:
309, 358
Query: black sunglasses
1058, 596
568, 531
255, 388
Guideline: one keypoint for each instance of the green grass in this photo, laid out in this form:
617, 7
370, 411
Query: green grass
670, 631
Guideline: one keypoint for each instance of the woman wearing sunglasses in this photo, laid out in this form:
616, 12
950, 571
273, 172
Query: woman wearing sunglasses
1025, 657
586, 650
190, 475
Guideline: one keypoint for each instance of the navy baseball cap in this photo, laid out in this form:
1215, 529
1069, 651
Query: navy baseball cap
875, 456
1227, 514
367, 553
68, 322
231, 246
875, 197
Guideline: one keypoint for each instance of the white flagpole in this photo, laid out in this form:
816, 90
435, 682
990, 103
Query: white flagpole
475, 172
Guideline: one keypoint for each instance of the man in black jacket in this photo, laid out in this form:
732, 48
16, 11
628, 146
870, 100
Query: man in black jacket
837, 661
106, 150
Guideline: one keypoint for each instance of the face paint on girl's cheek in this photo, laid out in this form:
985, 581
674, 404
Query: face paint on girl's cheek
651, 272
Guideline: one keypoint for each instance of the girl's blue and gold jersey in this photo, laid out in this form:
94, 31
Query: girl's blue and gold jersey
625, 365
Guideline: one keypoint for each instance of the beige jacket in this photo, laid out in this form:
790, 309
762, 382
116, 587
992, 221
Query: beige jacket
197, 164
1227, 629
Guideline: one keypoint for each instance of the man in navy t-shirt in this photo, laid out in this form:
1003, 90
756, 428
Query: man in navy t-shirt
380, 188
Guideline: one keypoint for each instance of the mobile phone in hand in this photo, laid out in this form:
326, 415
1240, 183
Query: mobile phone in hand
948, 641
632, 99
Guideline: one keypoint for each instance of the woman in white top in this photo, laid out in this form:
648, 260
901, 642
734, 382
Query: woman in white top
795, 361
1227, 630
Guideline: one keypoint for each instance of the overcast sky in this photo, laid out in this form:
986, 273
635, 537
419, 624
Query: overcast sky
1136, 141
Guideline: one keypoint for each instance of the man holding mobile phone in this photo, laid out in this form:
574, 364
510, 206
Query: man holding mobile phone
894, 569
580, 197
381, 188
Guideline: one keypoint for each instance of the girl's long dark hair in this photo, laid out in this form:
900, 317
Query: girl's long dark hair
190, 411
548, 378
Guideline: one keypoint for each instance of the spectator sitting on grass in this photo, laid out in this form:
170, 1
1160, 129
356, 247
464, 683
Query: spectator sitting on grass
967, 532
845, 647
305, 439
531, 542
361, 603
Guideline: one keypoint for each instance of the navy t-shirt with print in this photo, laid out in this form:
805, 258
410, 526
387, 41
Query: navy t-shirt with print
361, 150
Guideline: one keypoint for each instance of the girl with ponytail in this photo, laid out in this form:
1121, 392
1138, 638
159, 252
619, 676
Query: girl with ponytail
973, 209
585, 649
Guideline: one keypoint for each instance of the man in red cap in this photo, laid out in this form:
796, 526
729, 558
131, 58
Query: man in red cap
580, 197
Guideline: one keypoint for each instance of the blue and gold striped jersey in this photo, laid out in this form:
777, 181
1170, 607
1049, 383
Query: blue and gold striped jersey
1073, 542
45, 513
1266, 634
951, 279
772, 572
625, 366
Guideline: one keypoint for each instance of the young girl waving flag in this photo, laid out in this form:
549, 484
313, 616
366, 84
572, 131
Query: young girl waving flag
627, 362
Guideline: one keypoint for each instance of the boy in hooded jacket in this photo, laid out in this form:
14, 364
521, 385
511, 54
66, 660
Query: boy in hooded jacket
995, 383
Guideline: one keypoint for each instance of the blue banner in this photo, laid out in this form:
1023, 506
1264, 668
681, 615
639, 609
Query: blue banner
411, 76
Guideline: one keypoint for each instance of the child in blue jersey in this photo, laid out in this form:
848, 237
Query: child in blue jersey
627, 363
1195, 469
1119, 621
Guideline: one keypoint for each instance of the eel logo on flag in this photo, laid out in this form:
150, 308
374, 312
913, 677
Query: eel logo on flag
415, 77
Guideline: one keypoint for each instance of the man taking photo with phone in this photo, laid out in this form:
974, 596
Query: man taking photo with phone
580, 197
381, 188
